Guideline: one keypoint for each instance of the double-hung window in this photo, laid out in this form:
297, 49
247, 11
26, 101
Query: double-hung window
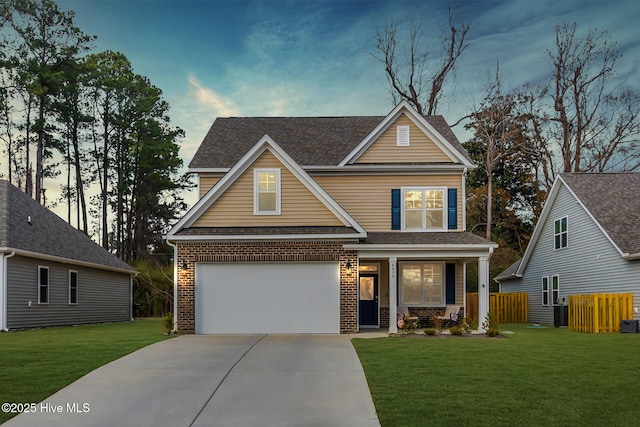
266, 198
550, 291
422, 283
43, 285
560, 233
73, 287
424, 208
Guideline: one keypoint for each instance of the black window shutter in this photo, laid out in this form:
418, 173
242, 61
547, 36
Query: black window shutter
395, 209
451, 284
452, 199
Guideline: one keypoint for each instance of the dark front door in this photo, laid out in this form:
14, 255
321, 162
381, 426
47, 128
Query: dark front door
368, 305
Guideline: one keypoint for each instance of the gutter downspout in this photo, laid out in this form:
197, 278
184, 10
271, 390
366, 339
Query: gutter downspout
175, 286
3, 291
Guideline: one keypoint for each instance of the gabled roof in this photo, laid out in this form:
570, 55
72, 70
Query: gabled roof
266, 143
310, 141
436, 131
612, 200
47, 235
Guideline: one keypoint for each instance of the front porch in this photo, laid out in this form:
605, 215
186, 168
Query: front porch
421, 277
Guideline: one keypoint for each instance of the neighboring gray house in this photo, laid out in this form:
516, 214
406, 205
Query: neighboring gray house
52, 274
587, 240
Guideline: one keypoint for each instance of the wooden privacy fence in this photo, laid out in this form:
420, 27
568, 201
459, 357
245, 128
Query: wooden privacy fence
504, 307
599, 313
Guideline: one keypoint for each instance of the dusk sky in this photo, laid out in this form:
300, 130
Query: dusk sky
218, 58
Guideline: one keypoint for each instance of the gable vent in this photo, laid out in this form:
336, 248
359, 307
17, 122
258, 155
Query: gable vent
403, 136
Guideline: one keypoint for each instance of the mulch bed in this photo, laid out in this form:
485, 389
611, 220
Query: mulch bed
441, 336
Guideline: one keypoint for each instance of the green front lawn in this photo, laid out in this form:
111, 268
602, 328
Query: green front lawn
548, 376
34, 364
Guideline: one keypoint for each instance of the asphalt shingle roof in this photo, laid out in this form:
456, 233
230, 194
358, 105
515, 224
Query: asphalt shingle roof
310, 141
402, 238
614, 201
47, 233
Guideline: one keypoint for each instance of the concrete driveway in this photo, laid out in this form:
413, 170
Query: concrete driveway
218, 380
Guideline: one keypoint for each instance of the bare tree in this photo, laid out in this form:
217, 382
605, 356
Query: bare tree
595, 122
412, 75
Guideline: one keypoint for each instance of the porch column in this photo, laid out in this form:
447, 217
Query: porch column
393, 295
483, 290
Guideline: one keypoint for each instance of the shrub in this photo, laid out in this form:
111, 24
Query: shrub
167, 323
430, 331
456, 330
490, 326
468, 324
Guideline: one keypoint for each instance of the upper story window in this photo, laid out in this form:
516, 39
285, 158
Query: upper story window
266, 199
43, 285
403, 136
424, 208
560, 233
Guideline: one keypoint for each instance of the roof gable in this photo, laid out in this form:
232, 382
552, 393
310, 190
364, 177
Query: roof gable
33, 230
449, 146
612, 201
265, 144
312, 141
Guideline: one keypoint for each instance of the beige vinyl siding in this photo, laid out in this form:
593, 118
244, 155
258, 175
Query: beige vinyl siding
207, 181
367, 198
299, 207
421, 150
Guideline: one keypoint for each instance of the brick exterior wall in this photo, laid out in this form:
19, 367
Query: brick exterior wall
190, 253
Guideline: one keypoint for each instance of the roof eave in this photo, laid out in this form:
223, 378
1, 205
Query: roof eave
262, 237
422, 247
64, 260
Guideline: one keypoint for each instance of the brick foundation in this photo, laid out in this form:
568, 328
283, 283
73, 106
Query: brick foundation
221, 251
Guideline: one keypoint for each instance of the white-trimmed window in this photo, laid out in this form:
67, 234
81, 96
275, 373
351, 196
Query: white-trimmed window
43, 285
422, 283
560, 233
550, 290
545, 291
424, 208
73, 287
555, 290
403, 136
266, 199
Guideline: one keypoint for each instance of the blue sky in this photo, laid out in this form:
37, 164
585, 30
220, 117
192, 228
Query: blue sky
313, 57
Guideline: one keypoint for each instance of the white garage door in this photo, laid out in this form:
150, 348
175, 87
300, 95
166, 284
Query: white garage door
267, 298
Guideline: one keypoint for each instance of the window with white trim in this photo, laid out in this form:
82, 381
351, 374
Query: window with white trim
545, 291
422, 283
73, 287
43, 285
560, 233
424, 208
403, 136
266, 191
555, 290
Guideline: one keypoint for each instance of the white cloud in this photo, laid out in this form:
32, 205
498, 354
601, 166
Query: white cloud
208, 98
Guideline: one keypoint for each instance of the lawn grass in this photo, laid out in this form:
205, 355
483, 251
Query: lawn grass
34, 364
549, 376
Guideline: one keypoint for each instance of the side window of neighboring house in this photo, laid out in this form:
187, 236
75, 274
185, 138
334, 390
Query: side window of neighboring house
545, 291
73, 287
555, 290
550, 291
266, 196
560, 233
43, 285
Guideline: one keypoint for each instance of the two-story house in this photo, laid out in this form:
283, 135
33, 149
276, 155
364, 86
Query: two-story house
325, 225
586, 241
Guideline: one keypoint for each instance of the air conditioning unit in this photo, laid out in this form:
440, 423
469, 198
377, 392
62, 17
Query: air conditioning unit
629, 326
